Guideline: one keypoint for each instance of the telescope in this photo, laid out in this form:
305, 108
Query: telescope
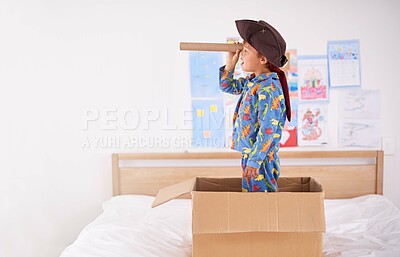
211, 47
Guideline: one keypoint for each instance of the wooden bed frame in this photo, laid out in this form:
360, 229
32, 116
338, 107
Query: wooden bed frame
342, 173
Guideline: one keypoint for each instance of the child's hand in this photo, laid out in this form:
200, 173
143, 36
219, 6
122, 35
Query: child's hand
250, 171
233, 58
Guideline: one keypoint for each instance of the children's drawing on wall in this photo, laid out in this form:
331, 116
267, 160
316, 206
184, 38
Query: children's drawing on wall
204, 74
313, 78
230, 102
359, 103
207, 100
359, 132
359, 118
344, 63
289, 134
208, 123
291, 72
312, 124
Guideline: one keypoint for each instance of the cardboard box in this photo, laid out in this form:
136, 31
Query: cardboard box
229, 223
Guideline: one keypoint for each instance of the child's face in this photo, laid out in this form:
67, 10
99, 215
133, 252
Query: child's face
252, 61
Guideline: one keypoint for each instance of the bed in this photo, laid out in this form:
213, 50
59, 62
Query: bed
360, 221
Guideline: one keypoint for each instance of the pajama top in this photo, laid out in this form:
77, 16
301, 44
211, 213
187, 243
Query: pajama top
259, 117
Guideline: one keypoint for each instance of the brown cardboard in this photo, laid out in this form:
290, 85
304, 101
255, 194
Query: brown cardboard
168, 193
227, 222
272, 244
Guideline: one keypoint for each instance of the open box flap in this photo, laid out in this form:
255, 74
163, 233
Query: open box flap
171, 192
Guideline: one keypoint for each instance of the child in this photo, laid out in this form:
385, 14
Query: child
264, 103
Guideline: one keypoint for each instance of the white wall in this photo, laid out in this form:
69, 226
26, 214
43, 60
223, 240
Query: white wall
64, 61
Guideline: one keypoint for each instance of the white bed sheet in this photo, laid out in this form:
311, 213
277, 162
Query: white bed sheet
129, 227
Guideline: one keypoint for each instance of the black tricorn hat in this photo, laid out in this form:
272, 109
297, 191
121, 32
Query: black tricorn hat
265, 39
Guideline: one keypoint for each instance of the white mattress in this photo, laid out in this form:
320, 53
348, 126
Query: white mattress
129, 227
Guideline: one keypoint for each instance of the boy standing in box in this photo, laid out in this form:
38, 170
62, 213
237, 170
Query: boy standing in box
264, 103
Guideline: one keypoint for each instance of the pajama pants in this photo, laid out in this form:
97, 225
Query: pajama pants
266, 180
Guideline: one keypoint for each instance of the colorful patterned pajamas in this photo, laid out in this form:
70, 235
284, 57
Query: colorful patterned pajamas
266, 181
258, 122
